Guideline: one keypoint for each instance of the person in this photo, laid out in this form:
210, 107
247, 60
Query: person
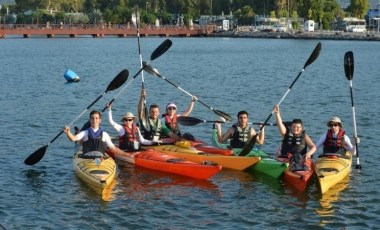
170, 117
93, 138
295, 140
129, 134
335, 139
240, 133
153, 128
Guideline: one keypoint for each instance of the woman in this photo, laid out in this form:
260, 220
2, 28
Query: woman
335, 139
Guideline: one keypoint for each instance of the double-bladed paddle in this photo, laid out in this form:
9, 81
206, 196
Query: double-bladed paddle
251, 143
191, 121
114, 84
153, 71
349, 71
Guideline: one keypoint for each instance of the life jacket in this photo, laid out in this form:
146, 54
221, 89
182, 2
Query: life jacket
334, 145
130, 140
240, 136
172, 123
153, 130
293, 144
94, 142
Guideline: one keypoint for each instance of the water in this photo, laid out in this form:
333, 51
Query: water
227, 74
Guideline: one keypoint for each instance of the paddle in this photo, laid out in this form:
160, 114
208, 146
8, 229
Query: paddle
136, 23
115, 83
191, 121
349, 71
161, 49
251, 143
153, 71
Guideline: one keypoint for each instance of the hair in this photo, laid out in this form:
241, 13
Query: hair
297, 121
242, 112
96, 112
153, 106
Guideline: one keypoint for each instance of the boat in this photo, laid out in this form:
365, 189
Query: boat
155, 160
194, 155
95, 168
298, 175
71, 76
330, 169
266, 165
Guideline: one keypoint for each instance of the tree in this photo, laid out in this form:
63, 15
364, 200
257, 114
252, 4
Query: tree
358, 8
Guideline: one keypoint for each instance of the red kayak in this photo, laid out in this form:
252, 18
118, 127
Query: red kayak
299, 178
153, 159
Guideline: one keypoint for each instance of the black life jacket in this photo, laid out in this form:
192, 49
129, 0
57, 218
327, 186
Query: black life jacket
152, 130
334, 145
172, 123
293, 144
240, 136
94, 142
126, 142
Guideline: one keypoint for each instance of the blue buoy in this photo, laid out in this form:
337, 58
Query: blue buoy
71, 76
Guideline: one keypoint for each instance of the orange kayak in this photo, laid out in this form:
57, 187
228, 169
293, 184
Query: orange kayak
158, 161
200, 146
299, 179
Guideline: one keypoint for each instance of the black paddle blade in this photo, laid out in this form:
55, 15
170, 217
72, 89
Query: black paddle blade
188, 121
249, 146
223, 114
35, 157
150, 69
313, 55
118, 81
165, 45
349, 65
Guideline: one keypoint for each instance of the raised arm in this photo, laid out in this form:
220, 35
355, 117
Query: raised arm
190, 107
140, 107
281, 127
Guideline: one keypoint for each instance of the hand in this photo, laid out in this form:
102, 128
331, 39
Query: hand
221, 119
109, 106
157, 142
276, 109
143, 93
194, 98
66, 129
357, 140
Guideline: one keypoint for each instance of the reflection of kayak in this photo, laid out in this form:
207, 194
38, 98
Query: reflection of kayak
299, 178
331, 169
266, 165
156, 160
331, 196
190, 154
96, 169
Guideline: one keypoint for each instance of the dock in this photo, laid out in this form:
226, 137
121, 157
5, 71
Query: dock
100, 31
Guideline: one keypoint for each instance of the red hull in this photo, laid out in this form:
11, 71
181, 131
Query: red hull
299, 179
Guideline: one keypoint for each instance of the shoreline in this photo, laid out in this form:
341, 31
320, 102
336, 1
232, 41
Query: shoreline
319, 35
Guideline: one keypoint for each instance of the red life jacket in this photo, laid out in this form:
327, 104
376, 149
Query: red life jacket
333, 145
131, 135
172, 123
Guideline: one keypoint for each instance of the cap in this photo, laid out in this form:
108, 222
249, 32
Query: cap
171, 104
128, 115
336, 120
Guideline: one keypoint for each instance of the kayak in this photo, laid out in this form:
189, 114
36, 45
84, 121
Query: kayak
297, 177
266, 165
191, 154
330, 169
96, 169
155, 160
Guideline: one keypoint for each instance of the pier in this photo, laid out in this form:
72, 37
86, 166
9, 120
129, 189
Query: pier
99, 31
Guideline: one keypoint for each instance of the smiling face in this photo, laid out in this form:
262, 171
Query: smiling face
296, 127
171, 110
243, 120
95, 119
334, 126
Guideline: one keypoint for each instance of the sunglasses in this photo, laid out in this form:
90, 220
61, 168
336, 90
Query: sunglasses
171, 108
333, 125
128, 119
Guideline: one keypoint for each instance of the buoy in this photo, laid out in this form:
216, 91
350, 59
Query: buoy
71, 76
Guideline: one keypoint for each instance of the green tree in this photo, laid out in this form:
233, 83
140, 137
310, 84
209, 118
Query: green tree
358, 8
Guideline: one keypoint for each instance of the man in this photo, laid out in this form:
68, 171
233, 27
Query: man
93, 138
153, 128
240, 133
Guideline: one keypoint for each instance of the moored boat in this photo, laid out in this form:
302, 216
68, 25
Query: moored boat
191, 154
330, 169
96, 169
159, 161
71, 76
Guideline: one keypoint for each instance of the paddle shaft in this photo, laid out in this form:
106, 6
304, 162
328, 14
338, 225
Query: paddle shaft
355, 130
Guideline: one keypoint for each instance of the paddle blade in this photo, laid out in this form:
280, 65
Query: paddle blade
188, 121
249, 146
118, 81
150, 69
35, 157
349, 65
165, 45
313, 55
223, 114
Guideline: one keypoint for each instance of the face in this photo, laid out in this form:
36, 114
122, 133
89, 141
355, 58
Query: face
95, 120
243, 119
334, 127
171, 110
296, 128
128, 121
154, 113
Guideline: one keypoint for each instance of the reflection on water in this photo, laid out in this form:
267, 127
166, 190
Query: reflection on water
332, 196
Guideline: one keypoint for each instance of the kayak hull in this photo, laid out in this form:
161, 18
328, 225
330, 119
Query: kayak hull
299, 179
231, 162
330, 170
97, 171
158, 161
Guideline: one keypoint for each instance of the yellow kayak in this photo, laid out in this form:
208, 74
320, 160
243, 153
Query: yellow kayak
96, 169
190, 154
331, 169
